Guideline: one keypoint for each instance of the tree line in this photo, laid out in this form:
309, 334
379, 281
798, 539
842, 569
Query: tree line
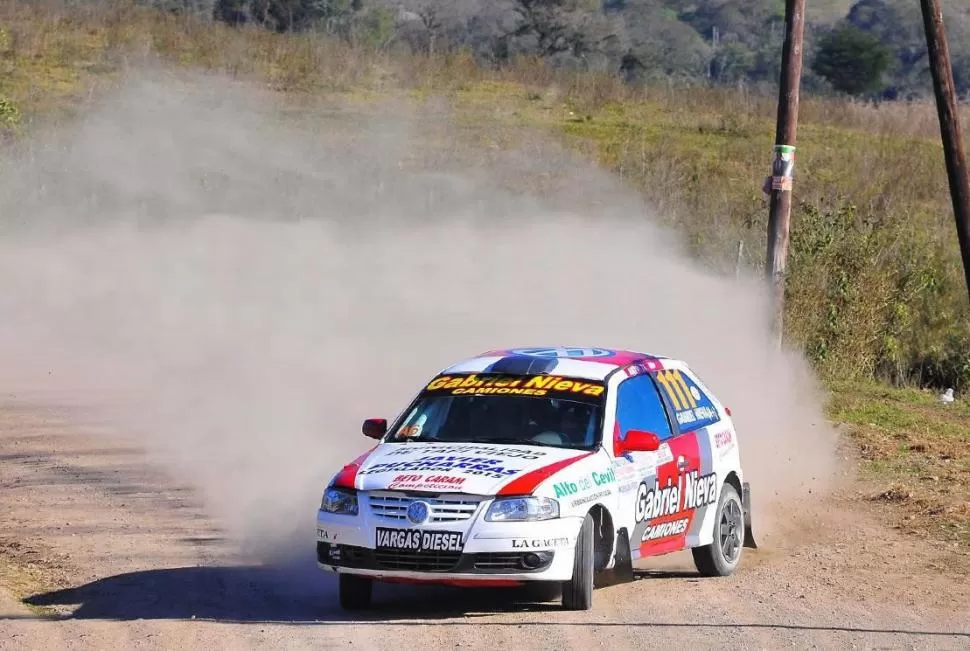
869, 48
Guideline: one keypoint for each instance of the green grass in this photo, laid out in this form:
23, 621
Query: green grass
915, 455
20, 579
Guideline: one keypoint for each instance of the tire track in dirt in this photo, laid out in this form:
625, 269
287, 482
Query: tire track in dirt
128, 557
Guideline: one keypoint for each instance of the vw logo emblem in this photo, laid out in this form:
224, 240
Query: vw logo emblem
418, 512
563, 352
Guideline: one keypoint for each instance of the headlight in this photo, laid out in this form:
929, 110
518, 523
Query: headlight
336, 500
518, 509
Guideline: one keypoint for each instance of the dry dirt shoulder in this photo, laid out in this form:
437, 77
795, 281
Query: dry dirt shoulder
108, 551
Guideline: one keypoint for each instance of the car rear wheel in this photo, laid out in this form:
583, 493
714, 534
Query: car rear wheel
721, 557
577, 593
355, 591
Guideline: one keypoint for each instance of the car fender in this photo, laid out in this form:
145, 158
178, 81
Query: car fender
718, 447
588, 486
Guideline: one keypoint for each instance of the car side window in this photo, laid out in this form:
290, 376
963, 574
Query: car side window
638, 406
691, 407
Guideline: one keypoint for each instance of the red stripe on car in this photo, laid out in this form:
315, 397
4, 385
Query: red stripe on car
347, 476
527, 483
686, 446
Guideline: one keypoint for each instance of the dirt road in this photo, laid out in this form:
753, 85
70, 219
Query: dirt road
110, 552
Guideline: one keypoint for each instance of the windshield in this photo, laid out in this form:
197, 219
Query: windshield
503, 409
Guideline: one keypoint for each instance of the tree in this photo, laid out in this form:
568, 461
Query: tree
657, 45
290, 15
431, 25
560, 26
852, 60
899, 24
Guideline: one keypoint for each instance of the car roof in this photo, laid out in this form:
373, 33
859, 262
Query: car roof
587, 363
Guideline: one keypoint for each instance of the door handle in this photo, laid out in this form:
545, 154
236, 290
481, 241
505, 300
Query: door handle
682, 463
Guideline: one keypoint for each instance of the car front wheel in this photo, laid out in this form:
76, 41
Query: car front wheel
722, 556
577, 593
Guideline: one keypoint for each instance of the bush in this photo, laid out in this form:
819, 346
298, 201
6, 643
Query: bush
9, 116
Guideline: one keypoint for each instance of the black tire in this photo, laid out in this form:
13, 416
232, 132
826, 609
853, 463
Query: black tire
355, 591
721, 557
577, 593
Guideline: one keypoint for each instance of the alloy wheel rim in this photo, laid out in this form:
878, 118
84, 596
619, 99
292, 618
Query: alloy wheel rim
730, 530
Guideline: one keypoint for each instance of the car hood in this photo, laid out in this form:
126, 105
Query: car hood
473, 468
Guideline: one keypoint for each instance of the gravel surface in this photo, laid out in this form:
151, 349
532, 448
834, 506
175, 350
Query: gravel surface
108, 551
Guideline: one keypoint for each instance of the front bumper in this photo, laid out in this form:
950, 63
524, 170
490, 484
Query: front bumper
491, 552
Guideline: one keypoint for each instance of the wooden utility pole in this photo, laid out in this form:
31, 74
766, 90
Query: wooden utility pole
783, 167
950, 128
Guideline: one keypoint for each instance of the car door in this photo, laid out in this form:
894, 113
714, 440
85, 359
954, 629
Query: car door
691, 413
649, 481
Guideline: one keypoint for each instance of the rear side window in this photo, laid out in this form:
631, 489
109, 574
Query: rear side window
691, 407
638, 406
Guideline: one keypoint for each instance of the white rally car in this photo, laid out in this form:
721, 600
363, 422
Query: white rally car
563, 465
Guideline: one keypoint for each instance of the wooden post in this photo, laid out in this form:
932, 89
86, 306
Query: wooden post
950, 128
783, 167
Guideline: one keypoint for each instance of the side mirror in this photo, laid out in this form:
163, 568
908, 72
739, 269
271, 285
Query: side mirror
638, 441
375, 428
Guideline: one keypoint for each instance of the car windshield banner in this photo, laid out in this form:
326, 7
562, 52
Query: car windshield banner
549, 386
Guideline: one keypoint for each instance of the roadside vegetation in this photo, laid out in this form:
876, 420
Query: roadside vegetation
876, 297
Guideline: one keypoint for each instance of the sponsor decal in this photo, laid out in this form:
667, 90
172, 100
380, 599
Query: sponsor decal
664, 455
594, 479
692, 408
623, 468
671, 505
411, 431
426, 482
564, 488
640, 368
699, 491
690, 492
419, 541
628, 473
538, 543
723, 439
664, 529
626, 487
603, 478
657, 502
476, 449
534, 385
479, 466
696, 414
591, 498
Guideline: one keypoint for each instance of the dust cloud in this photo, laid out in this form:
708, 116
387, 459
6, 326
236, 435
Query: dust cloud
244, 281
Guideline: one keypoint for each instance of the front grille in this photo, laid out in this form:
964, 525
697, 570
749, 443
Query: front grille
498, 561
416, 561
445, 508
386, 559
512, 561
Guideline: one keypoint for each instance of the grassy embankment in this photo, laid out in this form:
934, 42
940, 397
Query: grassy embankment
875, 289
